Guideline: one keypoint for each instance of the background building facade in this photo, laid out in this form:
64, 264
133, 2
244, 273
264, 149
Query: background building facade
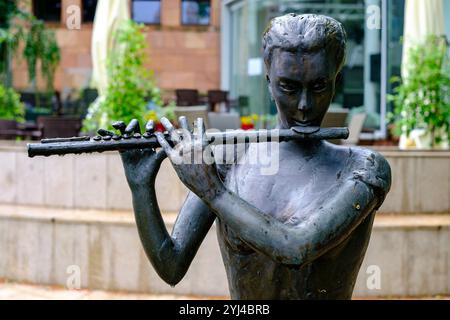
183, 42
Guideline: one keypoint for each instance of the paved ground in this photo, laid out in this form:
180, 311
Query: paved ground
15, 291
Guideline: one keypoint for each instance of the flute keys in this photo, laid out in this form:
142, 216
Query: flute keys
133, 127
116, 137
149, 129
97, 138
105, 133
120, 125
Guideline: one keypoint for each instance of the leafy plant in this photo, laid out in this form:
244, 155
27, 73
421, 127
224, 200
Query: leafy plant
423, 99
11, 108
130, 85
9, 38
40, 44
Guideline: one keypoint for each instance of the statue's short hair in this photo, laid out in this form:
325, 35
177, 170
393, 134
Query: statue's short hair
308, 33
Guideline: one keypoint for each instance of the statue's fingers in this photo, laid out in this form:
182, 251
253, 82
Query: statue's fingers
133, 127
186, 133
150, 127
164, 143
105, 133
200, 125
120, 126
183, 122
171, 129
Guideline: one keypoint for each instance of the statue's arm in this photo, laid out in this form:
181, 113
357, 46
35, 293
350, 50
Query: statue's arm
353, 199
170, 255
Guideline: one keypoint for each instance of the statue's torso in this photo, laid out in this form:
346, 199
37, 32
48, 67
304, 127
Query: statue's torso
303, 183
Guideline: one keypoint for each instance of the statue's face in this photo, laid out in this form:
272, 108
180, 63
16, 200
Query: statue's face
302, 85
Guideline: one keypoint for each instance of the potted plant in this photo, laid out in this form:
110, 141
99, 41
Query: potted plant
41, 48
422, 101
11, 112
10, 106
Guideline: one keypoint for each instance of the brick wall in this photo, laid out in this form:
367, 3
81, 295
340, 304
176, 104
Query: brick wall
181, 56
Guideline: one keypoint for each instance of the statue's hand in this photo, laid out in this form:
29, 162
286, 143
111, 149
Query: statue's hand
192, 158
141, 166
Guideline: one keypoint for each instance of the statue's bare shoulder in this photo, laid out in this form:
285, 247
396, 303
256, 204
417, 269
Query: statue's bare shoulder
372, 168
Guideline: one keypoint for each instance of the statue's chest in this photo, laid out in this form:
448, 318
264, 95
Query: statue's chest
270, 194
290, 195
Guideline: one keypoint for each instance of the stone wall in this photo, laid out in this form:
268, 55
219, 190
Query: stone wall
420, 182
77, 182
181, 56
407, 256
76, 210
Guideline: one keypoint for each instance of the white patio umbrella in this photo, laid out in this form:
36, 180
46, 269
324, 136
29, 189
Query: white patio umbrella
422, 18
108, 16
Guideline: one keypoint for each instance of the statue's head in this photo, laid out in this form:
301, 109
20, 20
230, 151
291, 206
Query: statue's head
303, 56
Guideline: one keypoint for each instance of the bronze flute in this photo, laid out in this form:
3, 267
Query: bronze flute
78, 145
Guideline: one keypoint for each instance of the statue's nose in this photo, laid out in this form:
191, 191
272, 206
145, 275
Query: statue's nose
304, 103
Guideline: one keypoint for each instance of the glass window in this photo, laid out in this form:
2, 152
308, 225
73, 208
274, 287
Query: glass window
89, 7
195, 12
395, 24
147, 11
47, 10
358, 88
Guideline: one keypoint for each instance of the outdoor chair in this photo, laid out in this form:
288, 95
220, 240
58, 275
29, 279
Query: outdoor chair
223, 121
355, 127
187, 97
59, 127
8, 129
216, 97
335, 118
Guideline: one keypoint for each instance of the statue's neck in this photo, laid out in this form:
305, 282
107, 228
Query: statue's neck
305, 148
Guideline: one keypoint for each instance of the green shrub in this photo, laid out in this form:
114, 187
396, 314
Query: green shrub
130, 85
10, 106
423, 99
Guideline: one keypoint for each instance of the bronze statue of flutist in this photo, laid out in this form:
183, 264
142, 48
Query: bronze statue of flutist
299, 233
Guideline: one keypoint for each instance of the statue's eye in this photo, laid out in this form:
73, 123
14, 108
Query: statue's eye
287, 87
320, 86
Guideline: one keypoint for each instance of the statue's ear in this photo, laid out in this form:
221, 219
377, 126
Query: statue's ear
269, 87
338, 82
339, 78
